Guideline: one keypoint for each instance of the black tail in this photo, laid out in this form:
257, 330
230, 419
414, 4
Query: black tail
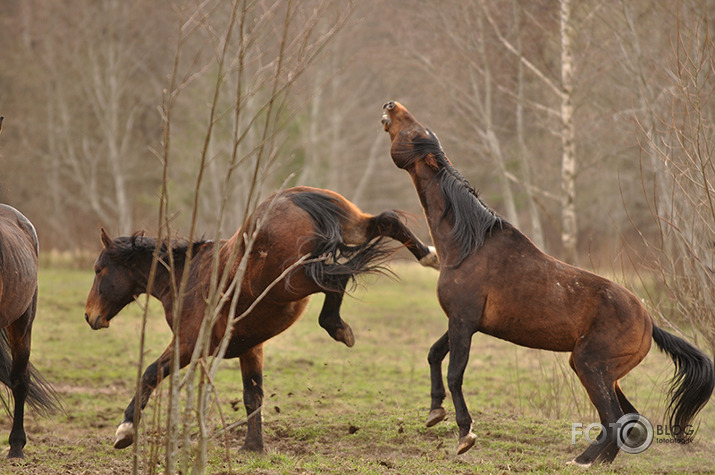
692, 384
332, 263
41, 396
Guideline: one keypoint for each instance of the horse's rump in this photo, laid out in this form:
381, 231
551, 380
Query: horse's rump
332, 262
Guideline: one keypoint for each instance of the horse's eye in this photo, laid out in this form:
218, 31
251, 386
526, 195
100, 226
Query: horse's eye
97, 271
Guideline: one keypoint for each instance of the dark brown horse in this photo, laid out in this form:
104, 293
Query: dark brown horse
495, 281
338, 239
19, 251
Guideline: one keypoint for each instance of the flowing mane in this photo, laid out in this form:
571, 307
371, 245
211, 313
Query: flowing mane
125, 248
473, 219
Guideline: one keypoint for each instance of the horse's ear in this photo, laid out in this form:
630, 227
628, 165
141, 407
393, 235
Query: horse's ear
106, 240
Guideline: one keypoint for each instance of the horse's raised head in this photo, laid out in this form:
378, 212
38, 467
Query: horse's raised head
409, 139
114, 286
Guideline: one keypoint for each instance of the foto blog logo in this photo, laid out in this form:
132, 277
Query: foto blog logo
633, 433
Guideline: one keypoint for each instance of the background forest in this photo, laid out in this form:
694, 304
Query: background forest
586, 124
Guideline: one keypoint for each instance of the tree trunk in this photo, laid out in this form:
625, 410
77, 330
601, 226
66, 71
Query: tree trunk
537, 232
568, 161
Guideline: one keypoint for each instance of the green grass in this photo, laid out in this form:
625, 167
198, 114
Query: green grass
332, 409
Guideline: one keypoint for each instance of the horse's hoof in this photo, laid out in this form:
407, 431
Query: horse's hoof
345, 335
253, 449
436, 416
125, 435
16, 455
431, 259
466, 443
578, 464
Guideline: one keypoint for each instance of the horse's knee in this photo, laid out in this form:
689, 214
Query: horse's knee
388, 216
434, 356
438, 350
454, 382
252, 376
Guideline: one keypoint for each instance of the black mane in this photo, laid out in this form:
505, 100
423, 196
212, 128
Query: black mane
126, 248
473, 219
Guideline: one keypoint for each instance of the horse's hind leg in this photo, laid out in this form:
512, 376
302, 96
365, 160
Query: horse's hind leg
252, 374
388, 224
19, 335
601, 388
330, 317
626, 405
436, 355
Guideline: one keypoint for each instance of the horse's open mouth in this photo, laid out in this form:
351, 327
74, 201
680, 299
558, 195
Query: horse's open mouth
385, 122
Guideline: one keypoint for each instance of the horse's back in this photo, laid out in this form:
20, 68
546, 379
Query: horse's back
19, 251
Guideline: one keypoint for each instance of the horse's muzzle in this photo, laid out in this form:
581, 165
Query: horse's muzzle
96, 323
386, 122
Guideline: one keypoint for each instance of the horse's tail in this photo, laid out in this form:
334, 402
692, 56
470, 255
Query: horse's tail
692, 384
333, 263
41, 396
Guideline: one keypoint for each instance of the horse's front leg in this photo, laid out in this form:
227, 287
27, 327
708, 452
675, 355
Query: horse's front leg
388, 224
153, 375
252, 374
436, 355
460, 339
330, 317
19, 334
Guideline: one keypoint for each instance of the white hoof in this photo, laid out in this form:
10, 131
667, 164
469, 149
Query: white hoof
125, 435
578, 464
431, 259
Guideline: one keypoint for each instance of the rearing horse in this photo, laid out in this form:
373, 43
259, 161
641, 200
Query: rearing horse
495, 281
338, 239
19, 251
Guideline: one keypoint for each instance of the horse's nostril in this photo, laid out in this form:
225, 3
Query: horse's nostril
86, 318
390, 105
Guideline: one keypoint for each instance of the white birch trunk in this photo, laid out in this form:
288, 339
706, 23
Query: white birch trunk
568, 161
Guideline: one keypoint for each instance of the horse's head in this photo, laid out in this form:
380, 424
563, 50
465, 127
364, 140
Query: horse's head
410, 139
114, 285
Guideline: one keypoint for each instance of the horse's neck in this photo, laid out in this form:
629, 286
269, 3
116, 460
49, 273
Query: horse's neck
162, 286
433, 202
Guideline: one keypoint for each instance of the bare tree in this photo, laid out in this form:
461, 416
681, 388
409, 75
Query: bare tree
258, 51
569, 229
677, 132
561, 89
95, 106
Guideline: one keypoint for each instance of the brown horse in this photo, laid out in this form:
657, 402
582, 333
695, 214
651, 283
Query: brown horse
338, 239
19, 251
494, 280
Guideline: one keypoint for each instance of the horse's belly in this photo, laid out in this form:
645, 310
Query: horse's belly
539, 338
263, 323
532, 327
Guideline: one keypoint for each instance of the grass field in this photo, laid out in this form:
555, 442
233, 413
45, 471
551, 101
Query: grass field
332, 409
